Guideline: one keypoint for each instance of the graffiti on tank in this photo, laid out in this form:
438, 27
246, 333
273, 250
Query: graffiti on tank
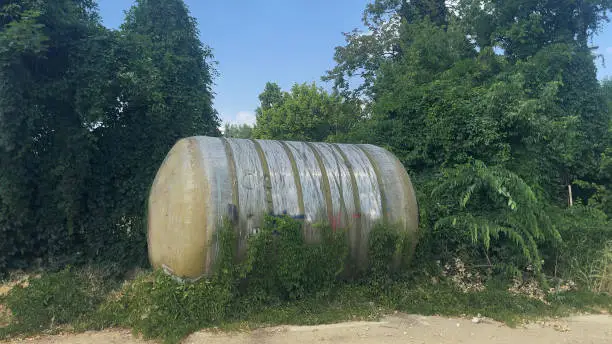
336, 221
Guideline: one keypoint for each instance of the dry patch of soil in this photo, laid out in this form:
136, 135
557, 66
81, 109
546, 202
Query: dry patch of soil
399, 328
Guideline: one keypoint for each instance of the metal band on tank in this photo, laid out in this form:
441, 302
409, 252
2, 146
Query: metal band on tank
267, 179
326, 186
385, 201
356, 200
232, 173
296, 176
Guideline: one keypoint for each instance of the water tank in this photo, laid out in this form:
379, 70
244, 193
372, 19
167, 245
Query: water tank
206, 179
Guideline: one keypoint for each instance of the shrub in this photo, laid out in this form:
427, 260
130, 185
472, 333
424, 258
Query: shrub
490, 216
280, 265
60, 298
389, 251
284, 280
585, 254
157, 306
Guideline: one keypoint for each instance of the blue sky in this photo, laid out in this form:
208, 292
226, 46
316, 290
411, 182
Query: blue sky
278, 40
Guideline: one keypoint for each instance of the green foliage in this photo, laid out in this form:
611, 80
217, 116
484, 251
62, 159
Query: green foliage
239, 131
584, 254
358, 62
598, 193
492, 214
595, 195
493, 106
446, 103
382, 247
157, 306
306, 113
284, 280
86, 116
20, 30
510, 84
365, 52
389, 253
280, 265
521, 28
503, 82
55, 299
344, 302
161, 88
606, 86
46, 112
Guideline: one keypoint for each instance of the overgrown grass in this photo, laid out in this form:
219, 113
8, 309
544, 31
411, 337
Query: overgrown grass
284, 280
55, 300
585, 255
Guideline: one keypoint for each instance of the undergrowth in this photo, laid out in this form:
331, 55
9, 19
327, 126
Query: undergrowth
284, 280
55, 300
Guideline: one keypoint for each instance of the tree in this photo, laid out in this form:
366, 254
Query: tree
358, 61
430, 80
497, 212
163, 85
306, 113
364, 52
606, 87
598, 192
49, 100
271, 96
425, 103
547, 42
521, 28
239, 131
86, 116
509, 84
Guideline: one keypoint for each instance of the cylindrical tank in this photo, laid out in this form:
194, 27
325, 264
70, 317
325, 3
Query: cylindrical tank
206, 179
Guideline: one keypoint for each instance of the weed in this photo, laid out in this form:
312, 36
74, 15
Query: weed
157, 306
54, 299
603, 270
585, 255
284, 280
345, 302
281, 266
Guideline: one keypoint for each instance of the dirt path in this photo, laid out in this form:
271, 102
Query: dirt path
400, 328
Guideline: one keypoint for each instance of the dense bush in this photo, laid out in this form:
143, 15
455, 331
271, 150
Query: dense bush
281, 265
494, 223
284, 280
87, 114
389, 253
585, 253
55, 299
158, 306
486, 216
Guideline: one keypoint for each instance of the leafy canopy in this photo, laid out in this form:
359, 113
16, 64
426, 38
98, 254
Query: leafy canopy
306, 113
